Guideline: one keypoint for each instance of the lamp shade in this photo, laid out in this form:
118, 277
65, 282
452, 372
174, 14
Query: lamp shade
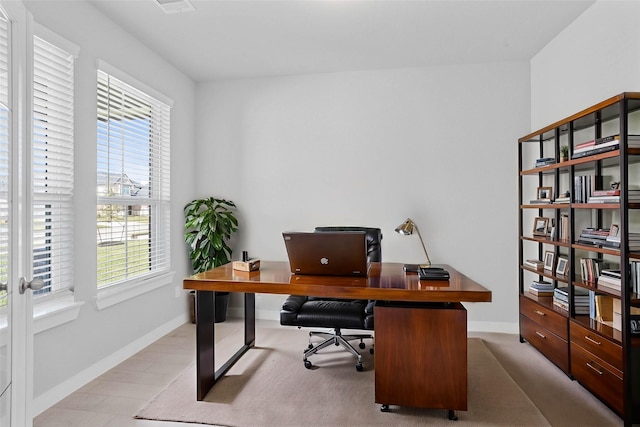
407, 228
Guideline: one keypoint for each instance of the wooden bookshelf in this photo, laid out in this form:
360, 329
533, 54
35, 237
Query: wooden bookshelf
603, 359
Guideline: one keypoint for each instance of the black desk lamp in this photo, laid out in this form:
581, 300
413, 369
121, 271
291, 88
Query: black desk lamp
406, 229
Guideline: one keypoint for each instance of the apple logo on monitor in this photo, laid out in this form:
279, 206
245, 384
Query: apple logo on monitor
324, 261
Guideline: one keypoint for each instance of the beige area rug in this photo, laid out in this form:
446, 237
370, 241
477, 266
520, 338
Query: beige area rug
270, 386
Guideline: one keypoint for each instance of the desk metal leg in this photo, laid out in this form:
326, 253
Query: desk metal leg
249, 319
205, 343
206, 375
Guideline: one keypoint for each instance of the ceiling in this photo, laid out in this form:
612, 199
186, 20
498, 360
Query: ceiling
226, 39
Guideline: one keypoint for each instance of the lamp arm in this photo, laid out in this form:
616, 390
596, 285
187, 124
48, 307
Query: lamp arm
428, 264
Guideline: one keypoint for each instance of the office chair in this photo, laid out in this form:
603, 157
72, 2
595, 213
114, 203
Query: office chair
306, 311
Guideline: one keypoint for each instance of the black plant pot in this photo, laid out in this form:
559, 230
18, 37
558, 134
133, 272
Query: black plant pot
221, 301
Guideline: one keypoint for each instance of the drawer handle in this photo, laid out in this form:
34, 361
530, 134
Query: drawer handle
599, 371
586, 337
541, 335
538, 312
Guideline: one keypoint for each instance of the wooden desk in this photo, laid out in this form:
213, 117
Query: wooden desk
405, 302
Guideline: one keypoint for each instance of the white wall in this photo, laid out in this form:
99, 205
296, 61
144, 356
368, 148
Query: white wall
70, 354
372, 148
596, 57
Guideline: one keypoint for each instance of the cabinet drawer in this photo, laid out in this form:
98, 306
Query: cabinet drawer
546, 342
545, 317
595, 376
599, 346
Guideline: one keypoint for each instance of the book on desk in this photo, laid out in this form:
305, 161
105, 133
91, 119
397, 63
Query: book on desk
433, 273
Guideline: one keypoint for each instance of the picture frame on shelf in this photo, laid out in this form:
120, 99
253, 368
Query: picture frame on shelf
562, 267
540, 226
544, 194
614, 230
549, 259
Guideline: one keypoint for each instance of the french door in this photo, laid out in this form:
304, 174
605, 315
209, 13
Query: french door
16, 312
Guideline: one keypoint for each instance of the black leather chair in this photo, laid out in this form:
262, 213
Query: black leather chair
308, 311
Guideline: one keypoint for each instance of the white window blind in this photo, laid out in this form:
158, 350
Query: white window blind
133, 183
4, 154
52, 167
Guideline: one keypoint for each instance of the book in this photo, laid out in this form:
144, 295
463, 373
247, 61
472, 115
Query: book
597, 193
562, 200
540, 293
541, 285
602, 145
535, 263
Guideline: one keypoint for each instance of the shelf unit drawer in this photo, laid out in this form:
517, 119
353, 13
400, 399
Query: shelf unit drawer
595, 375
545, 317
546, 342
597, 345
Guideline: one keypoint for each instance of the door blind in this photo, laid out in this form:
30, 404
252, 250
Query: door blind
5, 134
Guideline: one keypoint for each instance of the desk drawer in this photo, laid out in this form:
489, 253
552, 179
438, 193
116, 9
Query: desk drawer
599, 346
596, 376
546, 342
545, 317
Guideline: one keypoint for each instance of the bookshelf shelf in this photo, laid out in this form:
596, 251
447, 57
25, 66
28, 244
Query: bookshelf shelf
595, 314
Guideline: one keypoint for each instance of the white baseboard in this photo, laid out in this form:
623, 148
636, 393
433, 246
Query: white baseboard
499, 327
49, 398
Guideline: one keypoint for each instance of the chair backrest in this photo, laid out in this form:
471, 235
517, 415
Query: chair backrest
374, 239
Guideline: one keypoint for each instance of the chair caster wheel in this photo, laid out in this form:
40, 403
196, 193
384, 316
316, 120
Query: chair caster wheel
310, 346
362, 345
385, 408
359, 367
307, 364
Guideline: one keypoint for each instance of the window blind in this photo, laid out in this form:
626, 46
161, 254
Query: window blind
4, 154
133, 166
52, 167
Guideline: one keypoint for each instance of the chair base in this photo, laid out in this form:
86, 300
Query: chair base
336, 338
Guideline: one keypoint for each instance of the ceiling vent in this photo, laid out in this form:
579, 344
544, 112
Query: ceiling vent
175, 6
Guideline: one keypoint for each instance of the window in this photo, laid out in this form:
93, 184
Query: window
133, 183
52, 167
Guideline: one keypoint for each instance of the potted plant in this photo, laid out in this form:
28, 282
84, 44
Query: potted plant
564, 153
209, 224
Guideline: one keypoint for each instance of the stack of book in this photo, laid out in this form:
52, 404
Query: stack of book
580, 299
541, 288
593, 236
540, 201
610, 280
583, 187
561, 298
633, 240
603, 196
534, 263
590, 269
563, 226
635, 276
604, 144
545, 161
562, 199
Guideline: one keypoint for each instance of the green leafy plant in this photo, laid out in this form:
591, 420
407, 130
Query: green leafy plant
209, 224
564, 152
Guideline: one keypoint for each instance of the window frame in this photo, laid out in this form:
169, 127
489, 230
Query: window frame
121, 290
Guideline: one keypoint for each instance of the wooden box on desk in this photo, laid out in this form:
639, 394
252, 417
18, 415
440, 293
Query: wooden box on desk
249, 265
